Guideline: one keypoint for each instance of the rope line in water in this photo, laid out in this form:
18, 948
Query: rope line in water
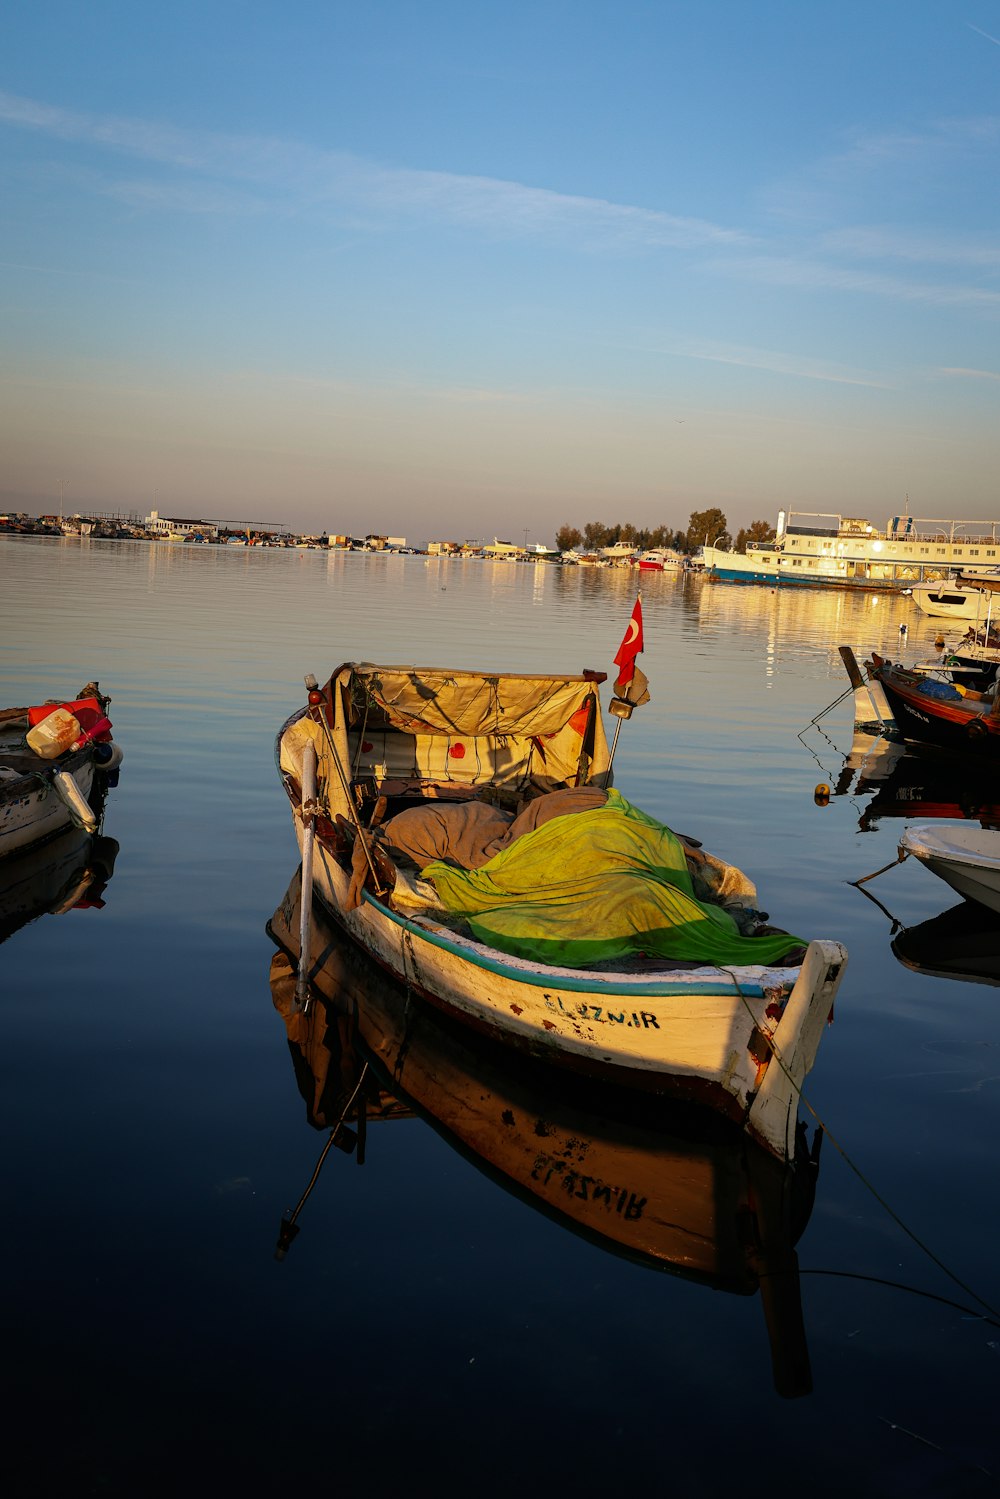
862, 1178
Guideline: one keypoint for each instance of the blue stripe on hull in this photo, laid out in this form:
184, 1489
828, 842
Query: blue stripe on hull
789, 580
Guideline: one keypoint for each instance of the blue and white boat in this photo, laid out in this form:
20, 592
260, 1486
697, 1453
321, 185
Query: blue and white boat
813, 550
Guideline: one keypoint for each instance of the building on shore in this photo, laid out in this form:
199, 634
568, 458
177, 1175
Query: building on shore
176, 528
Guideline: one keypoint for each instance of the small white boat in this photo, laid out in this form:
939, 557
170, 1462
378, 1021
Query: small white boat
660, 559
965, 856
946, 598
40, 797
458, 826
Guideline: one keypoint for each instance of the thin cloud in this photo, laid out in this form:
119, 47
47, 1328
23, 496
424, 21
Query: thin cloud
338, 180
813, 275
832, 188
173, 197
972, 374
981, 32
781, 364
895, 244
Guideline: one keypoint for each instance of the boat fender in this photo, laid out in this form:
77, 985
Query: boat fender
108, 756
977, 729
81, 812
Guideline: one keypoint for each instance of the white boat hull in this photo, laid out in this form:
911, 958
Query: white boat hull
965, 856
33, 810
707, 1033
945, 600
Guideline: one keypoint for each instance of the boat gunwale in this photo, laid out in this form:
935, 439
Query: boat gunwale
750, 982
927, 842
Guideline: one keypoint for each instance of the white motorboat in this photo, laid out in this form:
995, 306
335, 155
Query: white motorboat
950, 598
965, 856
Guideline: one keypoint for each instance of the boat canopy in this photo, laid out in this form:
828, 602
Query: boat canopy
419, 700
427, 727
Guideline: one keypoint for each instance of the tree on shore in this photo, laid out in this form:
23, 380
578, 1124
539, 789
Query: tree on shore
704, 523
567, 537
707, 528
596, 535
759, 531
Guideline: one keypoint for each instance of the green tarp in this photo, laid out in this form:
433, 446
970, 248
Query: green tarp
597, 885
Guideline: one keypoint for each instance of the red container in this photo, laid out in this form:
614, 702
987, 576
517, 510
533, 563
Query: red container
86, 710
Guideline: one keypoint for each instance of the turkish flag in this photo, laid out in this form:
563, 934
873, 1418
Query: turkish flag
629, 649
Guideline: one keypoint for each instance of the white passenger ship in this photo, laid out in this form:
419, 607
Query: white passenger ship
835, 551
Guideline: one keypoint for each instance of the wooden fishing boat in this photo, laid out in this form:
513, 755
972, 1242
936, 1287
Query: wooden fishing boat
966, 857
669, 1188
39, 796
928, 710
458, 826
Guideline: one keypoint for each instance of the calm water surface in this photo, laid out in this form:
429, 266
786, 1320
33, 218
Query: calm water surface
429, 1329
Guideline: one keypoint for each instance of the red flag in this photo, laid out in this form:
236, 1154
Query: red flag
629, 649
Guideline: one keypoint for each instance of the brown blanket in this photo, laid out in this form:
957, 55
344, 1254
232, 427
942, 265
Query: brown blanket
469, 834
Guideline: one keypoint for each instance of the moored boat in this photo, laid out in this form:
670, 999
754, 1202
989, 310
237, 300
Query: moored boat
660, 559
945, 714
671, 1189
966, 857
459, 827
41, 794
953, 598
813, 550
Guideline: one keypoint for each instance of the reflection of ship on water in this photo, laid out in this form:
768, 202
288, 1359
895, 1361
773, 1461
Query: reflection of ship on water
903, 782
961, 943
67, 872
680, 1191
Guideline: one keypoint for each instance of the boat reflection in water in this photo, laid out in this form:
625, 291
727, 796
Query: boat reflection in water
910, 783
961, 943
679, 1190
67, 872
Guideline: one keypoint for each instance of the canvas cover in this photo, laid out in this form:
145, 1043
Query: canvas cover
407, 728
435, 701
598, 885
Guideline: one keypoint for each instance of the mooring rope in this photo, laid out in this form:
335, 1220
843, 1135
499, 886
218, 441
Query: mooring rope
862, 1178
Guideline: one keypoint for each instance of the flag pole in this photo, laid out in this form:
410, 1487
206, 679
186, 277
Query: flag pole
621, 704
621, 709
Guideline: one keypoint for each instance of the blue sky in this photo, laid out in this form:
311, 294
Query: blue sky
450, 270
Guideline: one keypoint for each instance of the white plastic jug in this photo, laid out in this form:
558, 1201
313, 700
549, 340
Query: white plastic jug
56, 733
